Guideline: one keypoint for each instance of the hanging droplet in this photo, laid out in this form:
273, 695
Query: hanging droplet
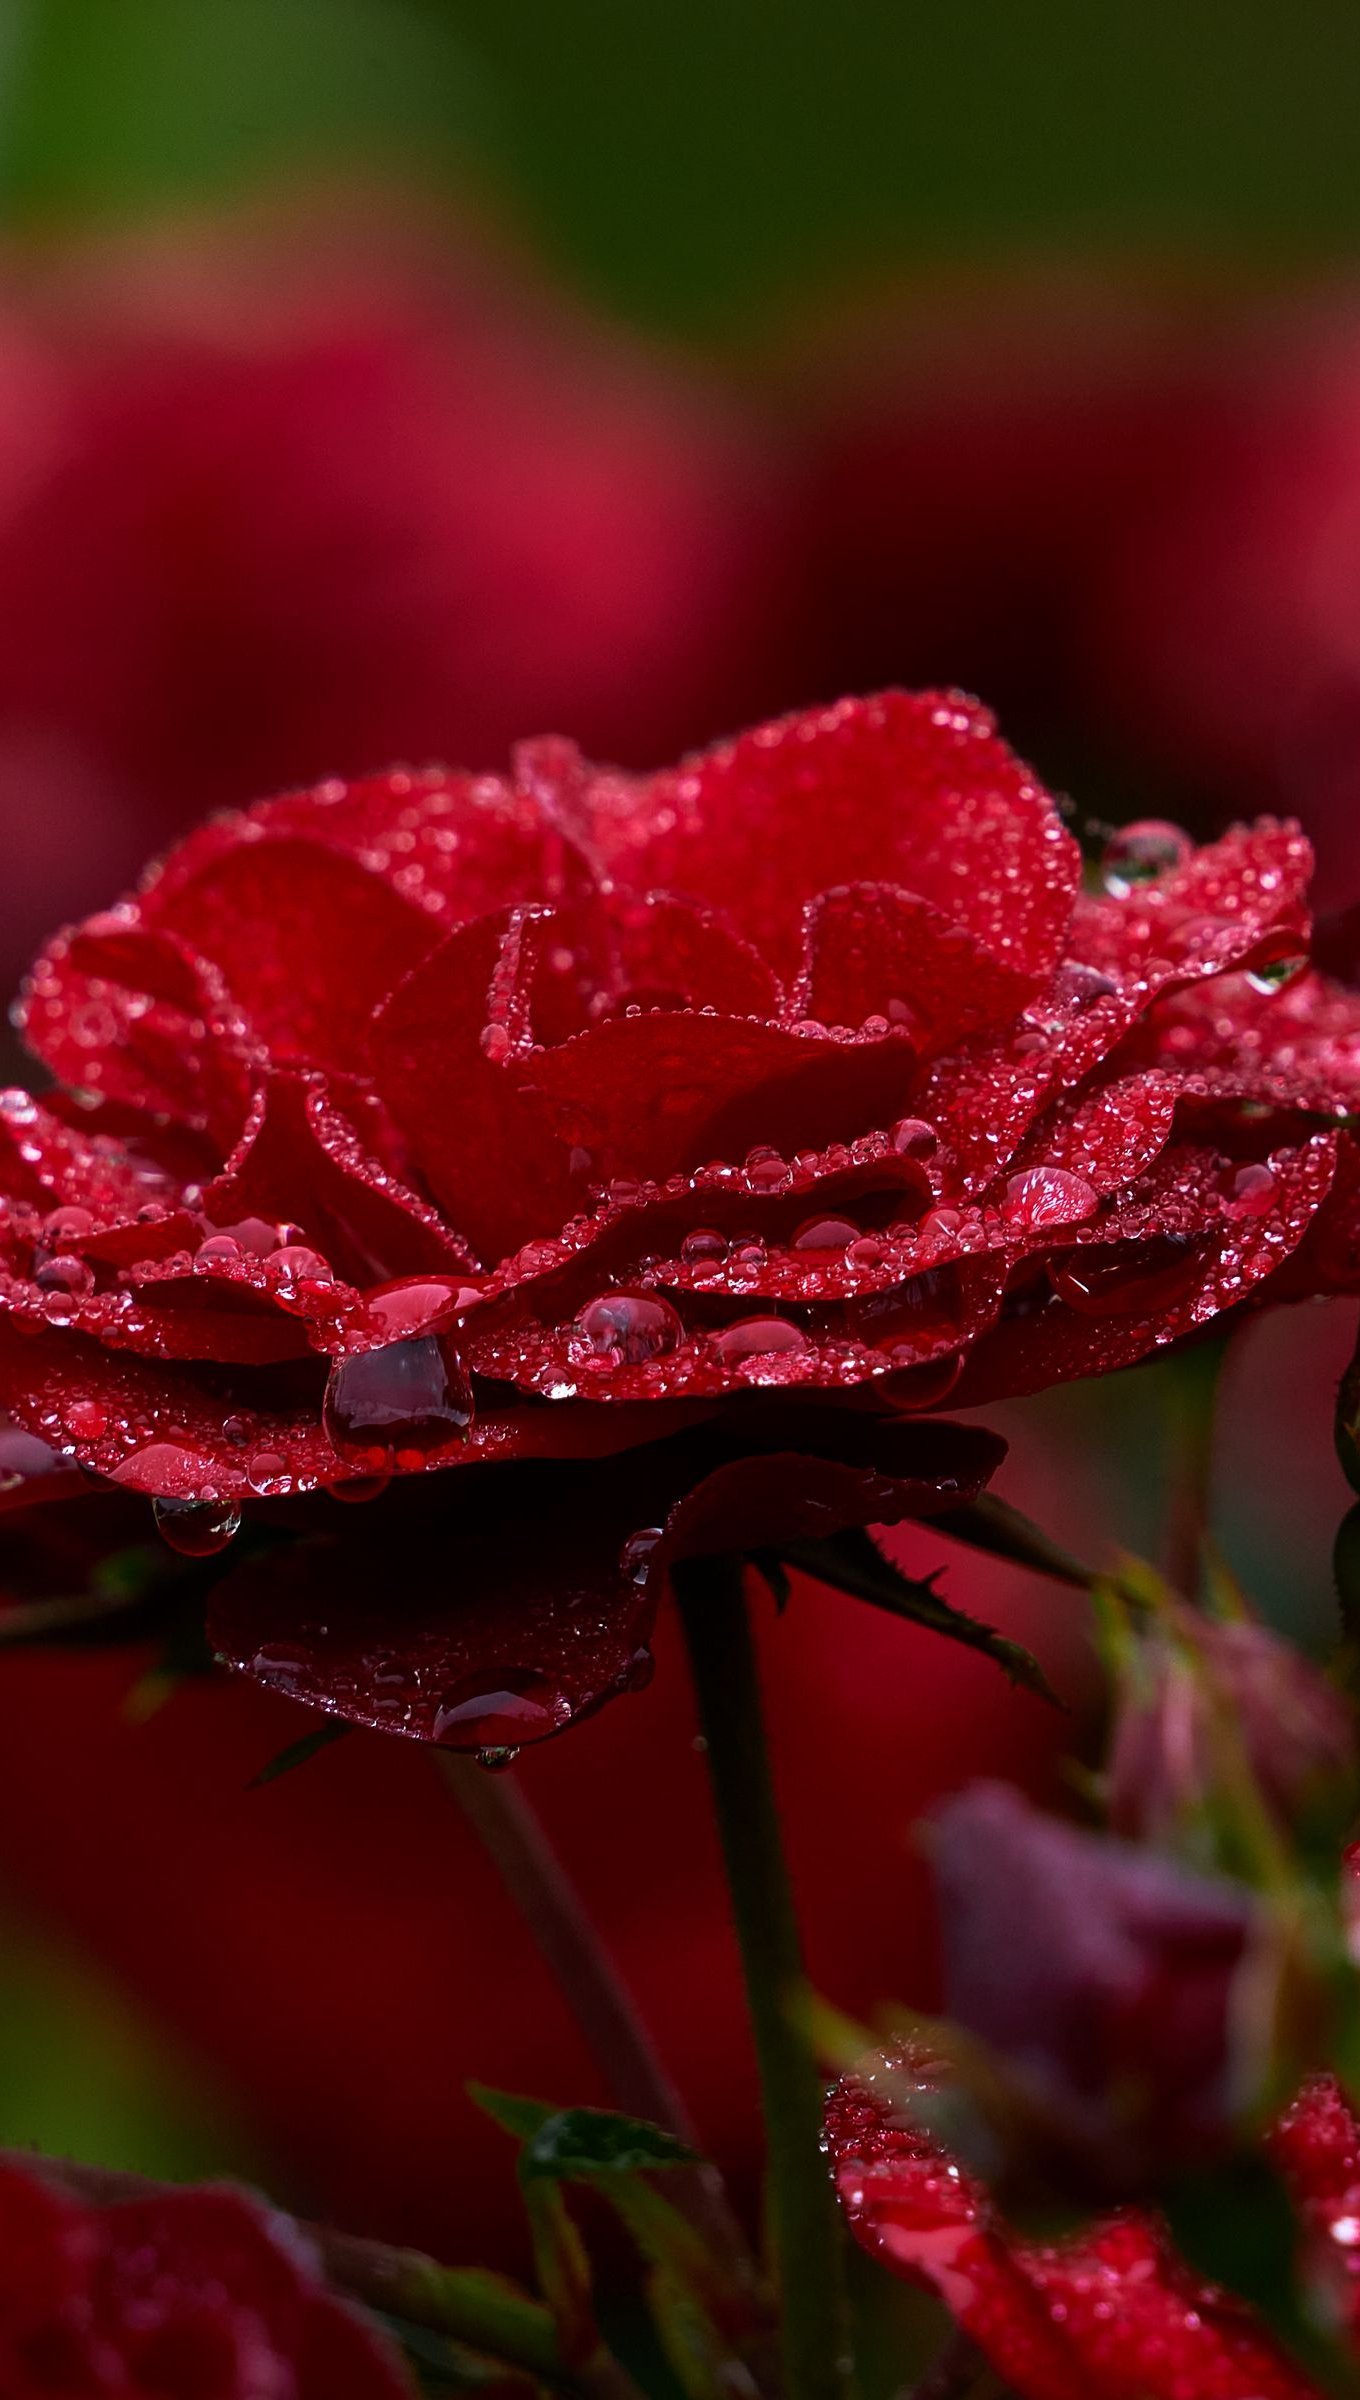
636, 1555
1130, 1279
1283, 962
1140, 854
398, 1406
759, 1337
500, 1712
625, 1329
1042, 1196
912, 1315
356, 1489
196, 1528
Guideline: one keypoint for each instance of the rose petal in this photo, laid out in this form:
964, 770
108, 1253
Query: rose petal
1108, 2310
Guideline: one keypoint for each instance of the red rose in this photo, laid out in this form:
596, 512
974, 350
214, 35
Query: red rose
727, 1117
203, 2294
301, 494
1108, 2309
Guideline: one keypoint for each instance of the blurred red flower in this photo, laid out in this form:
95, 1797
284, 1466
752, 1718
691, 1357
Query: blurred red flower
301, 496
201, 2293
728, 1117
1110, 2308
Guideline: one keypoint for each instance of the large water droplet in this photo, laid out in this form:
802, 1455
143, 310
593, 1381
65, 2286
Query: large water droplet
1280, 963
1130, 1279
500, 1713
1249, 1191
1139, 854
417, 1304
398, 1406
1041, 1196
64, 1274
295, 1270
625, 1329
66, 1225
826, 1233
758, 1337
219, 1250
196, 1528
911, 1137
766, 1171
636, 1554
705, 1249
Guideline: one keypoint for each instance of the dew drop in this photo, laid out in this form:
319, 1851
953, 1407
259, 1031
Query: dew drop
867, 1252
495, 1042
399, 1405
767, 1171
1042, 1196
636, 1554
66, 1225
826, 1233
625, 1329
759, 1337
499, 1714
1282, 964
1249, 1191
417, 1304
196, 1528
219, 1250
85, 1420
267, 1473
1081, 986
705, 1247
911, 1137
64, 1274
293, 1268
1139, 854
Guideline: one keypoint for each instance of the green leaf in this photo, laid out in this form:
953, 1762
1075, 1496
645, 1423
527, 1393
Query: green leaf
574, 2145
994, 1526
851, 1562
297, 1753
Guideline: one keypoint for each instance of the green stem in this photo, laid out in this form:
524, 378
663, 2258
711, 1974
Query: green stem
1194, 1398
805, 2223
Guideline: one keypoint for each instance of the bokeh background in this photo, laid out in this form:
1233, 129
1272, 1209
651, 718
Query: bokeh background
387, 379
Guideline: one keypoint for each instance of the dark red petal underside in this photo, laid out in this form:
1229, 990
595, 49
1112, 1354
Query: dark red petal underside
1109, 2311
307, 941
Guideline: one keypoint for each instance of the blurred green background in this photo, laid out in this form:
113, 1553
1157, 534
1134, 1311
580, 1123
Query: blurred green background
708, 170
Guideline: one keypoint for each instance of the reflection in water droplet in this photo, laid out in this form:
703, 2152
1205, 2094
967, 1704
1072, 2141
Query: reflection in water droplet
267, 1473
766, 1171
1040, 1196
911, 1137
358, 1488
1249, 1191
496, 1762
399, 1405
826, 1233
1139, 854
219, 1250
64, 1274
625, 1329
1281, 964
500, 1711
704, 1247
635, 1556
1130, 1279
196, 1528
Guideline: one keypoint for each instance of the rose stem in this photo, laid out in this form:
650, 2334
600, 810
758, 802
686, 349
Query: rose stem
474, 2309
804, 2220
1194, 1398
613, 2031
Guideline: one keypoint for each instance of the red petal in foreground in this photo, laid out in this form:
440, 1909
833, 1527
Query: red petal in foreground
202, 2294
1316, 2147
1109, 2311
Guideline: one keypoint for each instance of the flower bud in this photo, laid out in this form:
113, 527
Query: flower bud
1125, 2000
1204, 1697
